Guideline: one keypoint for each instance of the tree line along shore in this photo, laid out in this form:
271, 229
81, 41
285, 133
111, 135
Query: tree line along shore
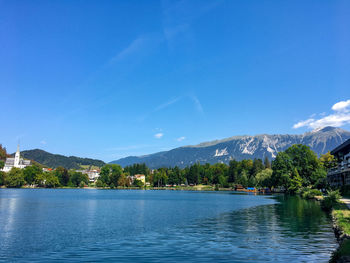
292, 171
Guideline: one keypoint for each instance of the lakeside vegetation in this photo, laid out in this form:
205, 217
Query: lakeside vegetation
296, 170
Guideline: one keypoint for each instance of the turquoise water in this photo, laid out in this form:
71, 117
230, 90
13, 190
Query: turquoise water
45, 225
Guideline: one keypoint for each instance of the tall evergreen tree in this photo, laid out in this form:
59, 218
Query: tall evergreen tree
267, 162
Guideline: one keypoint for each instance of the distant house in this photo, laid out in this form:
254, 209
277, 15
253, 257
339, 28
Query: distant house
17, 162
92, 174
140, 177
340, 175
47, 169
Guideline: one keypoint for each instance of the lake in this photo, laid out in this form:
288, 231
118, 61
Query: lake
46, 225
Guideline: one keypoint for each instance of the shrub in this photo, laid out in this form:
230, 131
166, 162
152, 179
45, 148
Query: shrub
302, 190
138, 183
82, 184
311, 193
330, 200
99, 183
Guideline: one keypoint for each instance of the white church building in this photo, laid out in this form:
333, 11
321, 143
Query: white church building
17, 162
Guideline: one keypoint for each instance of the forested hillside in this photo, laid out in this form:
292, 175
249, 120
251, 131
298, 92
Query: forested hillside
55, 160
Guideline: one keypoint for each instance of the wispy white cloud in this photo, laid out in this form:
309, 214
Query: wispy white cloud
158, 135
180, 139
43, 142
340, 117
197, 104
133, 47
166, 104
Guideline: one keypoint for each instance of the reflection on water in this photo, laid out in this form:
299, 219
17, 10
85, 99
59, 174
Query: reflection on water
157, 226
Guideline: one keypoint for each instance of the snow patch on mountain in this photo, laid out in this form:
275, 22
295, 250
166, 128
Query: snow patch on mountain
268, 143
271, 151
221, 152
249, 148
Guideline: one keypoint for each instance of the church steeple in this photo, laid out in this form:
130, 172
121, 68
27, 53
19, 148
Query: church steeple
17, 157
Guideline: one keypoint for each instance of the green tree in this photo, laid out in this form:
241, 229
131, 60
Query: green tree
115, 172
282, 167
78, 177
51, 180
163, 177
15, 178
258, 166
124, 180
30, 172
305, 161
264, 178
267, 162
243, 178
99, 183
2, 164
172, 177
2, 178
319, 178
233, 171
222, 180
194, 174
104, 175
295, 182
328, 161
218, 170
40, 179
62, 174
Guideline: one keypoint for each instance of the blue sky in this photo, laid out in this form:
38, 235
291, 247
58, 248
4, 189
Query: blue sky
108, 79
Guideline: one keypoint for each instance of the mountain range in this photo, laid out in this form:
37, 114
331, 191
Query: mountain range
241, 147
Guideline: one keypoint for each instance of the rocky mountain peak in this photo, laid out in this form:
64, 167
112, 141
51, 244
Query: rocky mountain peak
319, 140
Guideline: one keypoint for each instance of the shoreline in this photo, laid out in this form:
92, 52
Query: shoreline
342, 254
189, 188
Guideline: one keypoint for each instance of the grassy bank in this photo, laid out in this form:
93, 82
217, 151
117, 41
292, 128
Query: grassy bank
341, 216
341, 226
